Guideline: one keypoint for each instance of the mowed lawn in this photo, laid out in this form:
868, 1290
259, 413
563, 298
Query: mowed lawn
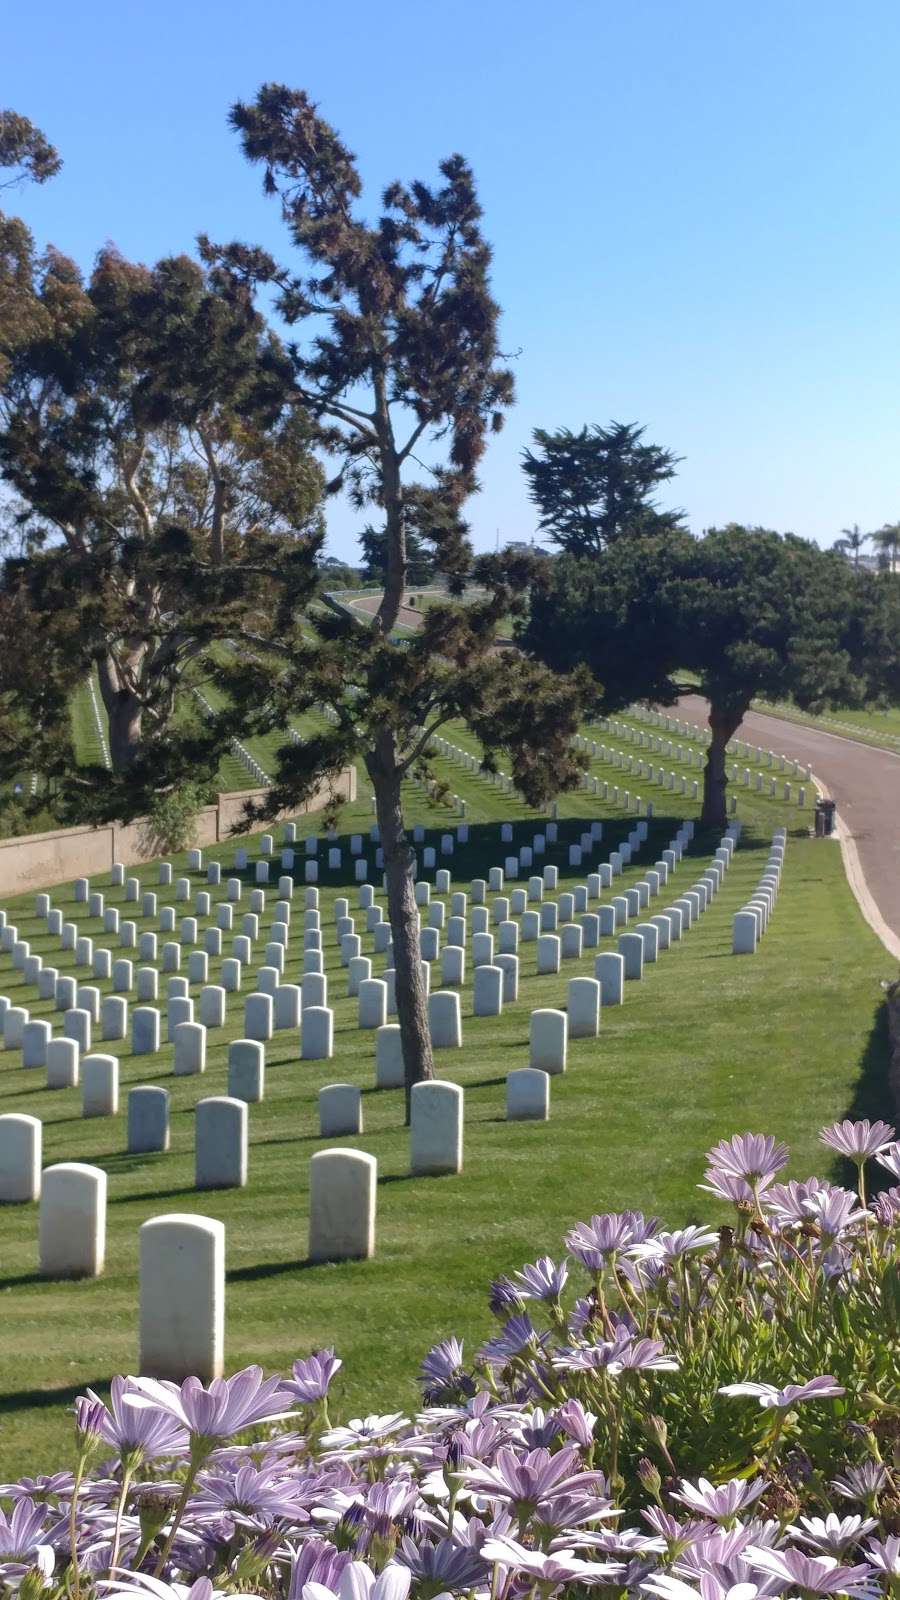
705, 1045
881, 728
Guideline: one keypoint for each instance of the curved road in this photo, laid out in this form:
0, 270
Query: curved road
864, 782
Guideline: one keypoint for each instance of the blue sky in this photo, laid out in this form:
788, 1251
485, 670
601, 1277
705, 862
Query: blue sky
694, 206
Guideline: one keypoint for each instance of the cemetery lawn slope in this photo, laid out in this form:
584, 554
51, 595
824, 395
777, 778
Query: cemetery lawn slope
707, 1044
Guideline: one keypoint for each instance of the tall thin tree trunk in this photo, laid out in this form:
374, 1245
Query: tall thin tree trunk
386, 775
724, 723
124, 715
412, 1002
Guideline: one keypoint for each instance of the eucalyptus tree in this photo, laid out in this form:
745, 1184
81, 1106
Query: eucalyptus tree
145, 438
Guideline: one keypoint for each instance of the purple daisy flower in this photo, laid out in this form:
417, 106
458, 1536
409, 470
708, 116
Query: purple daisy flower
138, 1432
542, 1281
518, 1335
755, 1157
812, 1574
594, 1243
858, 1140
226, 1407
552, 1568
770, 1398
719, 1501
312, 1375
832, 1534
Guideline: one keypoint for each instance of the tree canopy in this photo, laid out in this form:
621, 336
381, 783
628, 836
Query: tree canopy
26, 153
419, 559
746, 612
597, 486
145, 434
394, 342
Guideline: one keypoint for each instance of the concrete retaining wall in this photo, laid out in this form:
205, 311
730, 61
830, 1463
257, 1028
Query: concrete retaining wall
39, 860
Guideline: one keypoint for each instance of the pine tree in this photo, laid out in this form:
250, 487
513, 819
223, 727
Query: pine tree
737, 615
396, 356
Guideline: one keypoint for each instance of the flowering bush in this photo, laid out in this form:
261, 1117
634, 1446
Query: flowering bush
705, 1414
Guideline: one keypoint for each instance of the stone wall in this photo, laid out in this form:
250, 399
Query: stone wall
39, 860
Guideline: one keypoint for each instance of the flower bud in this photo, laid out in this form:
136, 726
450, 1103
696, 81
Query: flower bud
649, 1477
654, 1427
154, 1509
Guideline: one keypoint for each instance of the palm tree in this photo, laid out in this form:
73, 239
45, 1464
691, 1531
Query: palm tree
887, 541
851, 542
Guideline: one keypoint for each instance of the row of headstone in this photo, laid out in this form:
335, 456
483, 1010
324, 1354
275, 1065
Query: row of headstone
756, 753
99, 729
237, 748
752, 920
146, 1023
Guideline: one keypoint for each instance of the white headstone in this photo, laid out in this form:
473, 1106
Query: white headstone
445, 1020
114, 1017
288, 1007
487, 992
182, 1297
317, 1034
220, 1151
342, 1192
72, 1225
548, 1031
548, 953
389, 1069
77, 1025
145, 1030
258, 1017
62, 1063
527, 1095
340, 1110
246, 1070
148, 1119
745, 933
36, 1037
436, 1127
99, 1086
190, 1049
583, 1007
372, 1003
20, 1158
631, 949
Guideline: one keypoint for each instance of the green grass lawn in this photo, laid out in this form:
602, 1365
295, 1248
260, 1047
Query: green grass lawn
88, 749
880, 728
707, 1044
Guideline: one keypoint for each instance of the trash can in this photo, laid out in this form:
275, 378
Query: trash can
825, 813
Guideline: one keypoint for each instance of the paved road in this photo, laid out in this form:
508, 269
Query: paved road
864, 781
370, 602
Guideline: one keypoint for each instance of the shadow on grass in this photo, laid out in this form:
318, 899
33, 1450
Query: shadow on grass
187, 1191
871, 1098
23, 1280
17, 1398
271, 1269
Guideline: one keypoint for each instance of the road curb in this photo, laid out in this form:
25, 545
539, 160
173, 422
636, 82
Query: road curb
856, 878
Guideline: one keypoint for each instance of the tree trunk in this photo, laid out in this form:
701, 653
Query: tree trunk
412, 1003
124, 714
724, 723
